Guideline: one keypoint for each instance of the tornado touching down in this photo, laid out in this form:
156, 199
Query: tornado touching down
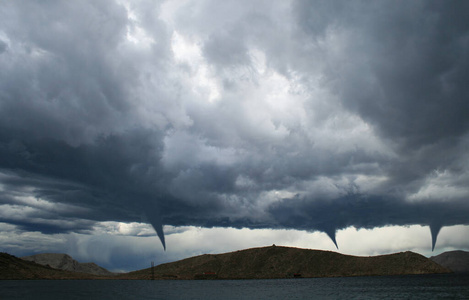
213, 126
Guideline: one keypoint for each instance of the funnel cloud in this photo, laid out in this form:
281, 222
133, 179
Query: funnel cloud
305, 115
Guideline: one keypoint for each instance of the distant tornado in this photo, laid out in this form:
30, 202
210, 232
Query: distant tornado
435, 230
155, 221
331, 233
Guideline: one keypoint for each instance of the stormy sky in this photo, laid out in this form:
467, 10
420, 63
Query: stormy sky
208, 126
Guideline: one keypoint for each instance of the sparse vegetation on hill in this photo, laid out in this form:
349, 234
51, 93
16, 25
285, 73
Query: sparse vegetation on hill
256, 263
282, 262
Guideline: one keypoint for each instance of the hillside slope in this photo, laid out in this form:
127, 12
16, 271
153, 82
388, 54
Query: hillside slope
281, 262
456, 261
67, 263
12, 267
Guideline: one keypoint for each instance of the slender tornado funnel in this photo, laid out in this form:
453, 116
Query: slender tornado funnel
434, 229
155, 221
331, 234
159, 231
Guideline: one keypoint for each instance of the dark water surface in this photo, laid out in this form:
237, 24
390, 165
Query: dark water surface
386, 287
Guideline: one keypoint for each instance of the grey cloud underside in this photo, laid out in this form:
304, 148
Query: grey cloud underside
122, 187
368, 212
109, 131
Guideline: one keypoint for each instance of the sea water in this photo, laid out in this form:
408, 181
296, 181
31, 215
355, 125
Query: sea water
383, 287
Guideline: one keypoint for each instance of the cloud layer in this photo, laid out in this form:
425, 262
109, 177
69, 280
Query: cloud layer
307, 115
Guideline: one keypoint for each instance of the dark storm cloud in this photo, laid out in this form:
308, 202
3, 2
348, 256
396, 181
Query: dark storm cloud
58, 79
115, 170
412, 58
367, 212
3, 46
226, 50
97, 115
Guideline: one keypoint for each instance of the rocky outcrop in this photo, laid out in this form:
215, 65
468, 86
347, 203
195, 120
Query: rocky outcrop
67, 263
12, 267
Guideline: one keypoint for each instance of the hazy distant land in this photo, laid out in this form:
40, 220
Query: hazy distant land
255, 263
12, 267
67, 263
456, 261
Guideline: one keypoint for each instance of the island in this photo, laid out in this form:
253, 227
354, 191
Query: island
270, 262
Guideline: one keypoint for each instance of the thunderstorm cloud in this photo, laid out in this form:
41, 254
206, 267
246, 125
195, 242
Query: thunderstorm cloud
306, 115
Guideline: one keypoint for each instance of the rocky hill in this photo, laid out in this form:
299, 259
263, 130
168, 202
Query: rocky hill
12, 267
456, 261
255, 263
282, 262
67, 263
